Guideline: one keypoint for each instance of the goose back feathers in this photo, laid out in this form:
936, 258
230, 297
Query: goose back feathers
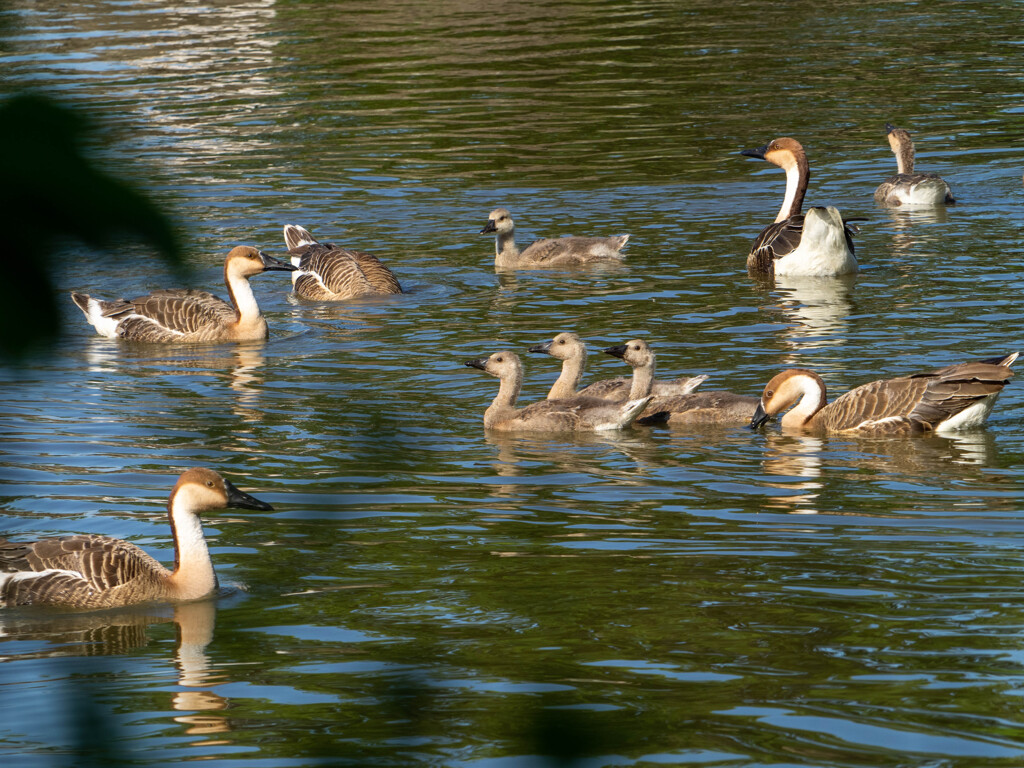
328, 272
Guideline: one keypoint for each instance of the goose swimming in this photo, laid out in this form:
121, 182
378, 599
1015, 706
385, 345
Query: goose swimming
704, 407
945, 400
328, 272
184, 316
570, 349
574, 414
818, 243
93, 571
906, 187
547, 252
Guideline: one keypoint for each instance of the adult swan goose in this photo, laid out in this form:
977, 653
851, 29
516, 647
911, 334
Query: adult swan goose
93, 571
817, 243
185, 316
951, 398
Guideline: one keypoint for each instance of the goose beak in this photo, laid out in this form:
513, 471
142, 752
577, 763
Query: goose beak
490, 227
270, 264
481, 363
758, 153
240, 500
759, 418
542, 348
619, 351
889, 128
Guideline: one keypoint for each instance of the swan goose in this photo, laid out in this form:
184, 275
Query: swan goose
328, 272
184, 316
906, 187
945, 400
92, 571
817, 243
547, 252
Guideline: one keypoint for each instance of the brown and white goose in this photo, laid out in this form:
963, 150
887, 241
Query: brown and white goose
945, 400
705, 407
328, 272
906, 187
570, 349
92, 571
817, 243
570, 415
186, 316
547, 252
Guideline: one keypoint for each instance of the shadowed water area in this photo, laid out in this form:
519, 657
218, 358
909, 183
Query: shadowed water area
426, 592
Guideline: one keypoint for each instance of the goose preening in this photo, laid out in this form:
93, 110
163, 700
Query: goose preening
945, 400
570, 349
705, 407
818, 243
328, 272
92, 571
184, 316
574, 414
906, 187
547, 252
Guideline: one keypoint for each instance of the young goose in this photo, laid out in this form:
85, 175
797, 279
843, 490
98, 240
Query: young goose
328, 272
818, 243
547, 252
575, 414
570, 349
92, 571
956, 397
711, 407
183, 316
907, 187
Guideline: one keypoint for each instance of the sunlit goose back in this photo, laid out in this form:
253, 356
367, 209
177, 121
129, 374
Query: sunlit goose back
907, 188
572, 351
705, 407
547, 252
817, 243
328, 272
92, 571
188, 316
945, 400
575, 414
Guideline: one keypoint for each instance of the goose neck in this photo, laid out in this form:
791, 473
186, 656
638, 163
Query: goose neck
193, 575
798, 173
568, 380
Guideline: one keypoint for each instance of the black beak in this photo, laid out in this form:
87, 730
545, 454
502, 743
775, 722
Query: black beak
619, 351
270, 264
889, 128
543, 348
240, 500
480, 363
759, 417
489, 228
758, 153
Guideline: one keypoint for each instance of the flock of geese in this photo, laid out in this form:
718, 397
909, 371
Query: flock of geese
92, 571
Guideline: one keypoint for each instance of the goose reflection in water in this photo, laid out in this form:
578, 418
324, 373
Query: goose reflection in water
122, 631
817, 307
796, 456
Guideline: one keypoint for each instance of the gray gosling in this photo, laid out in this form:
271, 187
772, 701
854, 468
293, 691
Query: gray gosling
906, 187
547, 252
178, 316
577, 414
328, 272
570, 349
945, 400
710, 407
90, 571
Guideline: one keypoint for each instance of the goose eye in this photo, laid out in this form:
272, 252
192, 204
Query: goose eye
209, 483
498, 359
562, 341
769, 393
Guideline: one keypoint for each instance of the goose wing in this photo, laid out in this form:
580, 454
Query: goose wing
346, 272
171, 313
873, 405
84, 570
607, 389
775, 241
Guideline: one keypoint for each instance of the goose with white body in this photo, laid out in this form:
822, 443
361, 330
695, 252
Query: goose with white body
907, 188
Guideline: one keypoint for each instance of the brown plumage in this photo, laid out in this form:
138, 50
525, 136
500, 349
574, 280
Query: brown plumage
951, 398
569, 415
328, 272
570, 349
93, 571
189, 316
710, 407
818, 243
547, 252
907, 187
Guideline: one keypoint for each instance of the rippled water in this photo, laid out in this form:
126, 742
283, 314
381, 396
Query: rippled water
425, 592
